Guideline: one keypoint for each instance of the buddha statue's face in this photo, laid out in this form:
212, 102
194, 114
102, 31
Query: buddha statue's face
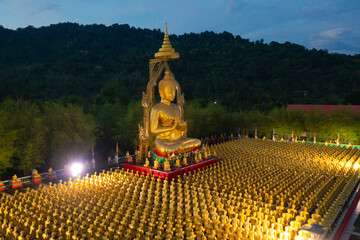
167, 88
168, 93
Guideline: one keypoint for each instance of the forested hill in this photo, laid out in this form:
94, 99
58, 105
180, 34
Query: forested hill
68, 59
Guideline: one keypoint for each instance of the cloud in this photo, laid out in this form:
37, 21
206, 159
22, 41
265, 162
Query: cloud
235, 6
342, 40
336, 33
30, 7
44, 6
22, 13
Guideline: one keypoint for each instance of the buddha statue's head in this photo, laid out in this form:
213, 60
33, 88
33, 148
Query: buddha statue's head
167, 88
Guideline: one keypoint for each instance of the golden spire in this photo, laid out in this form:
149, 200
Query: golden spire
166, 52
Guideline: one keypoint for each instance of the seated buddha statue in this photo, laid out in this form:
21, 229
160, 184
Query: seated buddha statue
166, 122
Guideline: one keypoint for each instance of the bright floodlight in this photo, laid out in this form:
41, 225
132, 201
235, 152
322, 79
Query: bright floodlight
76, 169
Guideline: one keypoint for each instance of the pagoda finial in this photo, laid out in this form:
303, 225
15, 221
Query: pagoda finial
166, 52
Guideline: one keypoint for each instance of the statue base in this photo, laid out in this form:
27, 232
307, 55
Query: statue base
36, 179
161, 157
15, 184
128, 159
175, 171
51, 176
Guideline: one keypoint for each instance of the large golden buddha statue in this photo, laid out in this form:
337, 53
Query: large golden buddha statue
166, 122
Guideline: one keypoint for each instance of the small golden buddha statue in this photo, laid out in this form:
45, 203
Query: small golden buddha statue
215, 153
156, 164
185, 161
167, 167
196, 158
15, 178
128, 158
200, 156
147, 163
166, 122
177, 163
206, 154
36, 173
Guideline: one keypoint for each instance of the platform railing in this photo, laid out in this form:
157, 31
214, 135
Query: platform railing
28, 179
112, 162
6, 183
25, 179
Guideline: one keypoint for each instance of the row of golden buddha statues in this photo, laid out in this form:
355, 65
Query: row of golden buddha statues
181, 160
259, 190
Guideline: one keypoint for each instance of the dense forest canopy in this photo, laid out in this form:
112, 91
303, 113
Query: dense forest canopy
66, 87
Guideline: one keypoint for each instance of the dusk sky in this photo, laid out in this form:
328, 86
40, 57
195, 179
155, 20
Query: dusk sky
322, 24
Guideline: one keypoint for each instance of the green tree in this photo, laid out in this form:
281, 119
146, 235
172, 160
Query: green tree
24, 135
126, 127
30, 142
7, 137
71, 133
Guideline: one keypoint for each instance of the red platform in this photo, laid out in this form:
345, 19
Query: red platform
15, 184
36, 179
51, 176
175, 173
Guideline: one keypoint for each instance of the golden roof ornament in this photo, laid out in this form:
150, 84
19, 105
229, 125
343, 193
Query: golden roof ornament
166, 52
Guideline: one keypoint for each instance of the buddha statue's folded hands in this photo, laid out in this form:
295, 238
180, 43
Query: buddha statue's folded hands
181, 126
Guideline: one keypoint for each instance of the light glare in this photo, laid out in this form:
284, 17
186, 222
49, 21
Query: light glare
76, 169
